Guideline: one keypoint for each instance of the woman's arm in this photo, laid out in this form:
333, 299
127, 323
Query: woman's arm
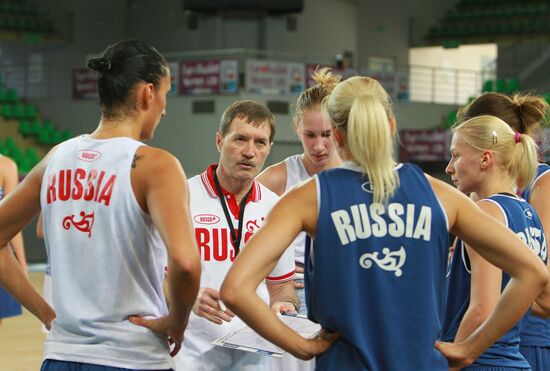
485, 285
274, 178
165, 197
39, 227
11, 179
540, 200
295, 211
16, 211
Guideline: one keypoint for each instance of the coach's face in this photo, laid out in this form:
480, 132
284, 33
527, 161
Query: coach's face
244, 148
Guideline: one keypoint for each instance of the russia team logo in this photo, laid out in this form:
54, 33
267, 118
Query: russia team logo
84, 224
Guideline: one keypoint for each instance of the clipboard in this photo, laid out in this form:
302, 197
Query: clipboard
248, 340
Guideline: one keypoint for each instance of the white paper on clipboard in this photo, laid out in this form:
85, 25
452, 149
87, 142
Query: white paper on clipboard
248, 340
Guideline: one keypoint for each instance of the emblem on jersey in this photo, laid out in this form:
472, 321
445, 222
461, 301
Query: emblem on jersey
391, 261
206, 219
251, 227
85, 223
528, 214
367, 187
88, 155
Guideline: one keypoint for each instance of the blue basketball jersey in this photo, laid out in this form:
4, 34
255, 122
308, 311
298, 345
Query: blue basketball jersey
521, 218
541, 170
536, 332
376, 272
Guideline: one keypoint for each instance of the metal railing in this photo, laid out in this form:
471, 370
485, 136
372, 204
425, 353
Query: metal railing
443, 85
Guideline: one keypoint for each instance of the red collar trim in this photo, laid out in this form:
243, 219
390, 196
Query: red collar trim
207, 178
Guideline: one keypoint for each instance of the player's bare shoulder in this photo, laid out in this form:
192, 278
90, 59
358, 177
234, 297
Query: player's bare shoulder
274, 177
155, 160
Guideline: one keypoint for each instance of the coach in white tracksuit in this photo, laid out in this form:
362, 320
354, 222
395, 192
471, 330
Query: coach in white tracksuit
244, 141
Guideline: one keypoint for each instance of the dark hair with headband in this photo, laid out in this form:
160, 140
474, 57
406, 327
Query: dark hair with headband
123, 66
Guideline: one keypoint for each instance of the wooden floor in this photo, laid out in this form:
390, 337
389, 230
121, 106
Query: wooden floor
21, 341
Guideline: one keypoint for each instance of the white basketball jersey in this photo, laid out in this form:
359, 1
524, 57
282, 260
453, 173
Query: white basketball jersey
107, 259
296, 173
217, 253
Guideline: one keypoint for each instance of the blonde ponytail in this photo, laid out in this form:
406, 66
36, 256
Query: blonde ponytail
525, 160
362, 109
370, 143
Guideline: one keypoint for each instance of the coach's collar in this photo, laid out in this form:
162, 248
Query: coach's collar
207, 178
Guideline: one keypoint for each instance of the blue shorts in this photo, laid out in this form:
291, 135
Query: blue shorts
538, 357
54, 365
9, 307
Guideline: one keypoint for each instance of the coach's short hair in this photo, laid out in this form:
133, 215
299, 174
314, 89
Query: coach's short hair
254, 112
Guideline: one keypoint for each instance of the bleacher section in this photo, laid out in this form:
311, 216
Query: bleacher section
24, 17
24, 135
477, 21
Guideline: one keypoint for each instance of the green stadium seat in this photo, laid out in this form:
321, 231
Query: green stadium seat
32, 156
36, 126
18, 111
48, 125
24, 128
7, 111
43, 136
11, 149
451, 119
10, 143
500, 86
15, 153
56, 137
30, 111
512, 86
24, 164
11, 95
487, 86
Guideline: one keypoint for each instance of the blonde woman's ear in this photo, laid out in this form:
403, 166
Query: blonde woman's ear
487, 159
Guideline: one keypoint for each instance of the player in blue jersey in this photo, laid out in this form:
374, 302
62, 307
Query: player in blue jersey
490, 159
524, 114
376, 268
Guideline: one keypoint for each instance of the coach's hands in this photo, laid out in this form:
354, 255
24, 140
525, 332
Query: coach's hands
209, 305
284, 307
165, 327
